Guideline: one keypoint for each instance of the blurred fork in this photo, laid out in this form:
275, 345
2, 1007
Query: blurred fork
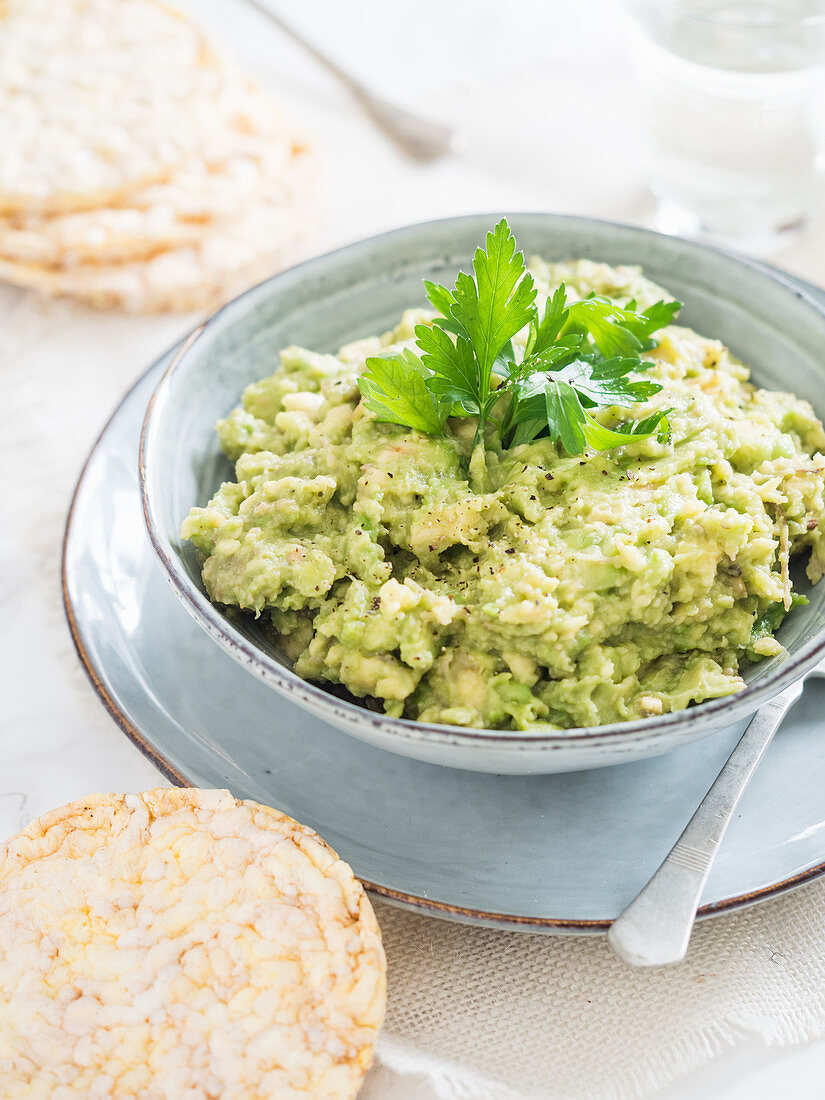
654, 930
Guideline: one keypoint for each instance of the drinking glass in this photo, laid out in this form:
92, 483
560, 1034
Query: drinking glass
732, 97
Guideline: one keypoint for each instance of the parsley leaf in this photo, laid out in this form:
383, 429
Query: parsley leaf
608, 382
601, 438
644, 325
544, 400
442, 301
451, 365
498, 303
616, 331
472, 335
544, 334
395, 389
577, 357
576, 428
565, 415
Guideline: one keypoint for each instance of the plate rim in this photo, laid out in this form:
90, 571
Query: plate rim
414, 902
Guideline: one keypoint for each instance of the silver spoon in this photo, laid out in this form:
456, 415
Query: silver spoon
417, 137
654, 930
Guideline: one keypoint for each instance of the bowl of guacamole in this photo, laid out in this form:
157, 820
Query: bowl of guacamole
530, 494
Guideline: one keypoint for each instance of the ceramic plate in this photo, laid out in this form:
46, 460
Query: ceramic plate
543, 853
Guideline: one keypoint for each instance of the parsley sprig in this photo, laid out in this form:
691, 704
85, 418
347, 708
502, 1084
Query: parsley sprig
577, 358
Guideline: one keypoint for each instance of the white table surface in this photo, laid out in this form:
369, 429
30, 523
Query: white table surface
541, 94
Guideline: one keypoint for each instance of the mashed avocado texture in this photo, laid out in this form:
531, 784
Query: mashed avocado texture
545, 590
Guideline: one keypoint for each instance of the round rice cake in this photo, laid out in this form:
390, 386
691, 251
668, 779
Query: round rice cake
98, 97
217, 265
182, 943
178, 212
251, 153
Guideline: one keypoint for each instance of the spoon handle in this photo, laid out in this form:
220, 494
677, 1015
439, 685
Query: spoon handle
416, 136
654, 930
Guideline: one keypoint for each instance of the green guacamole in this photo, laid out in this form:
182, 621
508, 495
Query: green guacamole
546, 590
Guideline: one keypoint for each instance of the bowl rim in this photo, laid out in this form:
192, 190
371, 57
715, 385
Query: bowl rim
707, 716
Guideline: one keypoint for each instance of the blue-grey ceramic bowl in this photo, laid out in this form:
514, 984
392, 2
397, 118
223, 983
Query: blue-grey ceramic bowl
362, 289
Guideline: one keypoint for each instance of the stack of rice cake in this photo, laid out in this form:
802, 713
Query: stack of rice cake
138, 170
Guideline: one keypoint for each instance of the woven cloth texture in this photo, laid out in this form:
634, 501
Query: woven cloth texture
488, 1014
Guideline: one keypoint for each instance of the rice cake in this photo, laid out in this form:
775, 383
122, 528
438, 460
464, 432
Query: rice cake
98, 97
251, 153
212, 269
182, 943
181, 211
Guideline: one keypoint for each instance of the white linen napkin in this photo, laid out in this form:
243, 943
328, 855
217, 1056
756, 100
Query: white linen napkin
487, 1015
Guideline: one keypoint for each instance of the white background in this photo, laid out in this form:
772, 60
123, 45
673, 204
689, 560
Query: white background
541, 95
